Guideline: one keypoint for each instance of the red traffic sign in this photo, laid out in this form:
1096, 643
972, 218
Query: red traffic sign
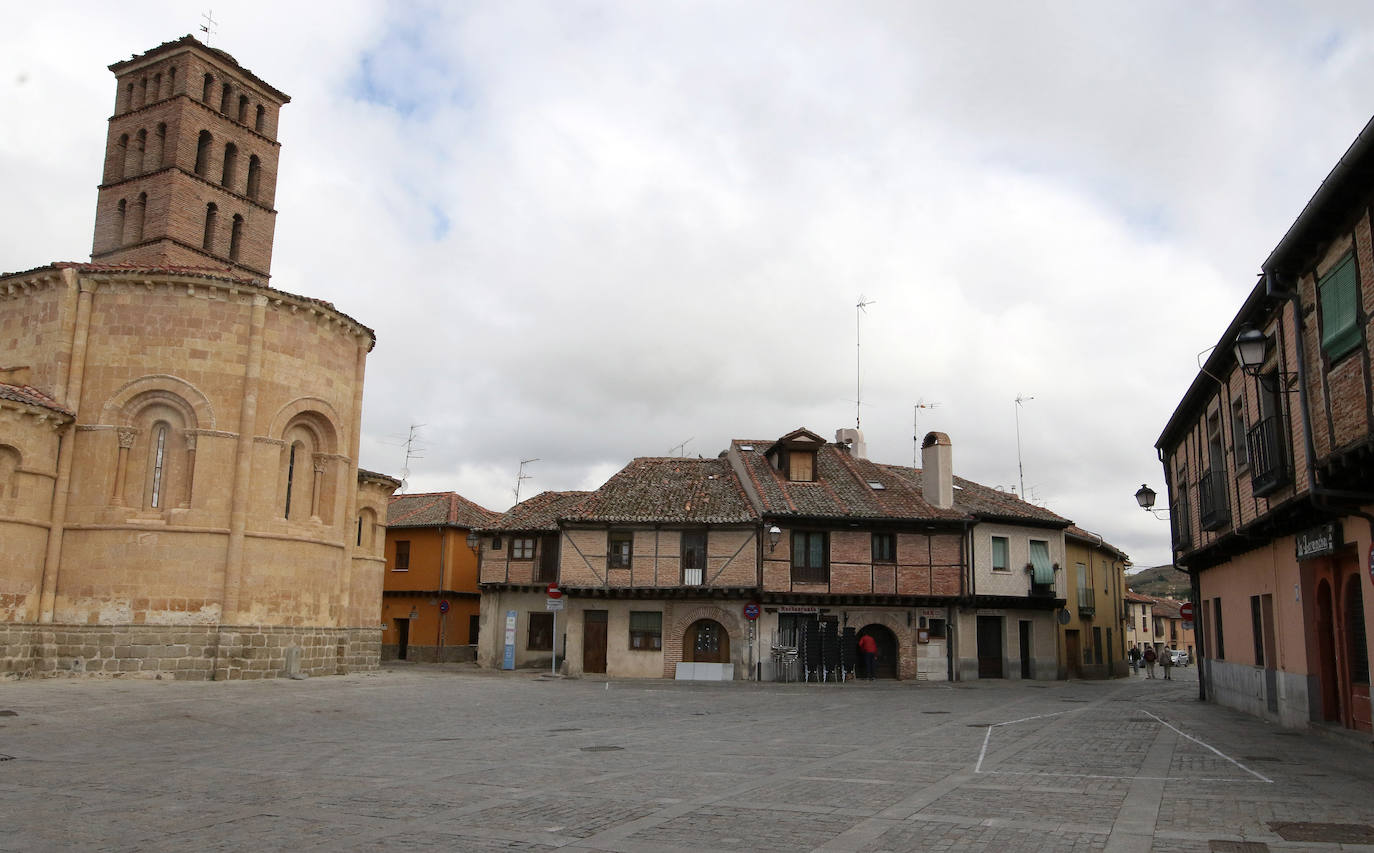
443, 606
751, 611
554, 591
1186, 611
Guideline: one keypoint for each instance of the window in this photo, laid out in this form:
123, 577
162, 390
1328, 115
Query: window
884, 547
254, 176
203, 154
1238, 433
121, 154
224, 97
646, 631
810, 556
120, 212
235, 237
540, 638
159, 461
1339, 297
402, 555
1042, 571
1001, 554
231, 164
206, 88
243, 109
522, 548
620, 549
1216, 622
496, 543
257, 124
801, 465
693, 557
936, 627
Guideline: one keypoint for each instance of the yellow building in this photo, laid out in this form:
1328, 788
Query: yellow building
1092, 636
430, 602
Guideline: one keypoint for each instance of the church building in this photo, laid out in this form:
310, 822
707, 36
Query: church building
179, 485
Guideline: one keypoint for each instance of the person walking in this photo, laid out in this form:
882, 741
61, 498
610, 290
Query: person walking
868, 653
1133, 655
1150, 658
1167, 662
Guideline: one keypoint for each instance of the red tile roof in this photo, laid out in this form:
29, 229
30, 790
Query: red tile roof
670, 489
986, 503
437, 509
539, 513
1075, 532
31, 396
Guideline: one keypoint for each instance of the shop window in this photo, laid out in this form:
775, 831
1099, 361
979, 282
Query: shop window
646, 631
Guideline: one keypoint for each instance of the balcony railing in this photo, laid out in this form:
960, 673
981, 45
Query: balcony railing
1087, 602
1041, 590
1179, 517
1268, 456
1214, 511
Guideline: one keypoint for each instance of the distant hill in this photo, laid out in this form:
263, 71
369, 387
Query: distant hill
1161, 582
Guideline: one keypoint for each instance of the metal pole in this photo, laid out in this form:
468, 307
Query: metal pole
553, 667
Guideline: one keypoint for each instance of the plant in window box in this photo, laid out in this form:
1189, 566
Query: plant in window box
1030, 567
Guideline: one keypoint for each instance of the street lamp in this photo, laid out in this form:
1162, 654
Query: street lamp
472, 540
1145, 496
1250, 347
774, 534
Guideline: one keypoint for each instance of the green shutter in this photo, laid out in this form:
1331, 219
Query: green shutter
1043, 571
1339, 297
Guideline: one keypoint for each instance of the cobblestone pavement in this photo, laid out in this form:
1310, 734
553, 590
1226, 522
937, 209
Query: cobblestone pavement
451, 758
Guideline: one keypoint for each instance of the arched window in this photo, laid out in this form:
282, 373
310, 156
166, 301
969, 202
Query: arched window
211, 214
157, 87
224, 95
119, 222
140, 211
254, 168
243, 109
9, 472
231, 165
206, 89
143, 92
235, 236
172, 81
152, 158
203, 154
307, 478
121, 154
134, 165
128, 97
257, 123
296, 455
367, 527
158, 455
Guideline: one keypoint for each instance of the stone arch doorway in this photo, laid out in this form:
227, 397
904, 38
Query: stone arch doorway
706, 641
886, 665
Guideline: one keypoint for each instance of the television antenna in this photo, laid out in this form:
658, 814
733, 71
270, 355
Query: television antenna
862, 309
1021, 471
210, 27
916, 430
521, 476
680, 448
414, 450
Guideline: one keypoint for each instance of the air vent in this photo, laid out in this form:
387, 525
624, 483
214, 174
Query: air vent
746, 447
875, 485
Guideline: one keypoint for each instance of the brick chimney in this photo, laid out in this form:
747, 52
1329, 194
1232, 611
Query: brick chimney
937, 470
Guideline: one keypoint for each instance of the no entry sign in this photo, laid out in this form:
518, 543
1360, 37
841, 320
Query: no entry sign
554, 591
1186, 611
751, 611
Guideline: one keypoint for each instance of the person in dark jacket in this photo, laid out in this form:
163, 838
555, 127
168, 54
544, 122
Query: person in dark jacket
1150, 658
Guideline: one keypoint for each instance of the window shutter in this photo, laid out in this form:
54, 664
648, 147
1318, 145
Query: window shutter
1339, 304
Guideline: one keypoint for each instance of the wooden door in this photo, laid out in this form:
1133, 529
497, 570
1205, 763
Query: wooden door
1025, 648
706, 642
1073, 654
594, 641
990, 647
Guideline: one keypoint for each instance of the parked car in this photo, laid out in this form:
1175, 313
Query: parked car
1180, 657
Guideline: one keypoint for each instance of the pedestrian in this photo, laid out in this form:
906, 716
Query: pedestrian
868, 653
1167, 661
1133, 655
1150, 658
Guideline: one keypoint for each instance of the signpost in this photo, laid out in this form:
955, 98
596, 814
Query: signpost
1186, 612
554, 603
751, 611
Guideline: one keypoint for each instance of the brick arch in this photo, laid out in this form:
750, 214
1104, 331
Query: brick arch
672, 641
165, 386
903, 635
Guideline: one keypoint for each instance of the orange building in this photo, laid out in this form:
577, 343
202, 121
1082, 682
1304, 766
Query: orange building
430, 602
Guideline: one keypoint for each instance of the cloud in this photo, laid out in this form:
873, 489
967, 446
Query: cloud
589, 231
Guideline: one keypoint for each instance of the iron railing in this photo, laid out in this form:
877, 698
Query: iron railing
1268, 457
1214, 510
1087, 602
1179, 517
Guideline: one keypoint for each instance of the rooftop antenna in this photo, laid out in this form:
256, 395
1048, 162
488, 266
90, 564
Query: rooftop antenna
916, 431
680, 448
413, 451
1020, 400
210, 27
521, 476
862, 307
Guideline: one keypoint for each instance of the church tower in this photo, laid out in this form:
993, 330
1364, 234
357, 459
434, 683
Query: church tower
190, 163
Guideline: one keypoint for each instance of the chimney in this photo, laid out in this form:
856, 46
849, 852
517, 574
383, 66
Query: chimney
854, 440
937, 474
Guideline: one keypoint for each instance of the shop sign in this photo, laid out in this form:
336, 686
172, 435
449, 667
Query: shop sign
1318, 541
797, 608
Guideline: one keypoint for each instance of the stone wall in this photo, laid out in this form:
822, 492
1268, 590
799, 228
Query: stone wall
192, 653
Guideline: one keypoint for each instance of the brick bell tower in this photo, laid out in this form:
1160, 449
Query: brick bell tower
190, 163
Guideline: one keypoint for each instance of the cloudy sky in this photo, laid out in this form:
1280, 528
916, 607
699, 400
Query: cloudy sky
588, 231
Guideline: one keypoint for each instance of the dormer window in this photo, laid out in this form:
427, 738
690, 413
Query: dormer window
801, 465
